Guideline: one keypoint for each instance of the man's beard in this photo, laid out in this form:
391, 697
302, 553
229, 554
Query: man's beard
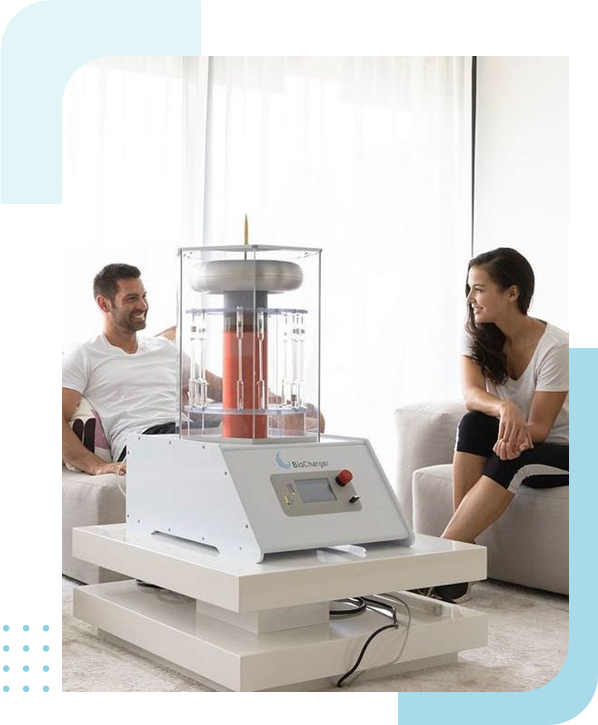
129, 323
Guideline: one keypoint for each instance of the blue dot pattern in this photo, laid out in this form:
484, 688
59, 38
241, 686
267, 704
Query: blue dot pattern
26, 648
46, 668
46, 628
25, 628
6, 648
26, 668
46, 688
26, 688
46, 648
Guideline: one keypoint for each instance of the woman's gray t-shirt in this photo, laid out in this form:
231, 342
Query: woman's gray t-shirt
547, 371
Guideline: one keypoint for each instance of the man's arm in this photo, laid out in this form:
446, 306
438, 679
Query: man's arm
73, 450
214, 381
214, 386
169, 333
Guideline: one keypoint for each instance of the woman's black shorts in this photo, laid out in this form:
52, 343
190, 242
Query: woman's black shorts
544, 466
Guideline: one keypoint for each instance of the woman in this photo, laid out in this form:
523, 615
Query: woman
515, 385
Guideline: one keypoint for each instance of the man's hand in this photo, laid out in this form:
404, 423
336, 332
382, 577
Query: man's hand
110, 467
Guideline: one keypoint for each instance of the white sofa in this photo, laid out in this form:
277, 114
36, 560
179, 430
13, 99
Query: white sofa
88, 501
528, 545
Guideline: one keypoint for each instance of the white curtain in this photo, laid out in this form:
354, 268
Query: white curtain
369, 158
133, 175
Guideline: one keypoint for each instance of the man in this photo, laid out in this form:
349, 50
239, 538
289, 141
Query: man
130, 381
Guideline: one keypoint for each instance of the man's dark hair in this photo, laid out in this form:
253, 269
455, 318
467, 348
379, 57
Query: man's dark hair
105, 282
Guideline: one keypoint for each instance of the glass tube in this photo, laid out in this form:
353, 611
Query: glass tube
261, 383
202, 397
286, 361
198, 384
300, 359
192, 362
240, 384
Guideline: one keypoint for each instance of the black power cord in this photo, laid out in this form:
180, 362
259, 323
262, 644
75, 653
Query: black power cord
355, 605
376, 606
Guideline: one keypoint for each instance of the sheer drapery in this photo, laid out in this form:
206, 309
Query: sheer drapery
370, 159
133, 175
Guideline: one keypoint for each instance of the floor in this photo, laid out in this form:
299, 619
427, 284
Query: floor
528, 644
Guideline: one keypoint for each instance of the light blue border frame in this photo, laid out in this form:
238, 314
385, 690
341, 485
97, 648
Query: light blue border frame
43, 45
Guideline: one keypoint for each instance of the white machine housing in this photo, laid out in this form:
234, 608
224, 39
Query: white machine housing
233, 496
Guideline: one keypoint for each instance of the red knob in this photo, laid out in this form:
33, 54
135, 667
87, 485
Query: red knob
344, 477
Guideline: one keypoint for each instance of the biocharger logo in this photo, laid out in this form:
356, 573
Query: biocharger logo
287, 465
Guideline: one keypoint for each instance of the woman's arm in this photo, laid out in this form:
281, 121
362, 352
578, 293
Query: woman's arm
544, 411
513, 434
473, 385
551, 391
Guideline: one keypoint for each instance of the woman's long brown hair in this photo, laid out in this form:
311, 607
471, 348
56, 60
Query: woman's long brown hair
506, 267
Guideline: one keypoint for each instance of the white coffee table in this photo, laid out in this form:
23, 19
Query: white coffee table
247, 627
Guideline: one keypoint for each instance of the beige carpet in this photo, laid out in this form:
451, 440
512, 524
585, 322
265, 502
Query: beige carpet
528, 642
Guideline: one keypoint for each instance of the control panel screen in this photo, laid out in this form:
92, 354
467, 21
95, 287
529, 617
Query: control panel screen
315, 489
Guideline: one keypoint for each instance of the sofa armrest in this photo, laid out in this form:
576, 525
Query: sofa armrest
426, 437
89, 501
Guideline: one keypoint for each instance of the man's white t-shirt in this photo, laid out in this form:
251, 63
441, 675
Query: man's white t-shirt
547, 371
130, 392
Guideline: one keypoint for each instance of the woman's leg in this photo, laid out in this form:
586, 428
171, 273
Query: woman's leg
467, 471
485, 501
543, 466
481, 506
476, 437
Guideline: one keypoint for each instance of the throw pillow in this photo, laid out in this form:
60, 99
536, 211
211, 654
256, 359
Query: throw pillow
87, 426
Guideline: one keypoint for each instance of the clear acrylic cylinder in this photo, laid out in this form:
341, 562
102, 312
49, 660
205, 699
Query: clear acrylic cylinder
249, 343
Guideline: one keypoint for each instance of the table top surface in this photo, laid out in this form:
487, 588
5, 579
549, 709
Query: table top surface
208, 558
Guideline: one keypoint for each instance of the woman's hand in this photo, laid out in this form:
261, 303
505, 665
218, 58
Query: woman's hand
513, 434
507, 452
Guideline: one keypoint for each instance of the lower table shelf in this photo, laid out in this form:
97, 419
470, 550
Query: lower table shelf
164, 624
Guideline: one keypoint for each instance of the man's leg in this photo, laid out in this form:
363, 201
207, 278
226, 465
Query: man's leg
154, 430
